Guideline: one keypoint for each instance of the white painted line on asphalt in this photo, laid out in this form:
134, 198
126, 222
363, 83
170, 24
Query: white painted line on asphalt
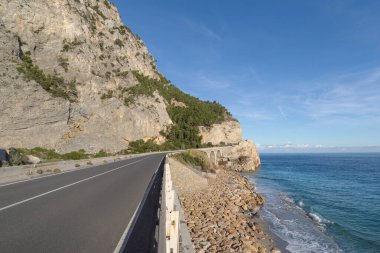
66, 186
61, 173
125, 233
40, 177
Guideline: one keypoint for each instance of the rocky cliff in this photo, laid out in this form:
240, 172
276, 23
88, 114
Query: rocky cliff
242, 157
73, 76
228, 132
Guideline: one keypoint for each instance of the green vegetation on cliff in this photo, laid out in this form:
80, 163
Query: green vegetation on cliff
54, 84
187, 117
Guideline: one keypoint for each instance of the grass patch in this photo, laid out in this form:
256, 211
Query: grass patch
18, 155
196, 159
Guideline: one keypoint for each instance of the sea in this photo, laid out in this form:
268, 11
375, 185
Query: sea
321, 202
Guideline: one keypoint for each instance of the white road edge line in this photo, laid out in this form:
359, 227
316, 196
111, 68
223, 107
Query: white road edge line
61, 173
124, 235
63, 187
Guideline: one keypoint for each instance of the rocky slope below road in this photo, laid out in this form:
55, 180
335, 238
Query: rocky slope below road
221, 211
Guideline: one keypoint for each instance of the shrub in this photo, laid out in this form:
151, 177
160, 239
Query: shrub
56, 171
89, 163
107, 95
39, 171
64, 63
75, 155
196, 159
243, 159
70, 45
119, 43
98, 11
77, 165
101, 153
141, 146
18, 155
108, 5
184, 133
53, 84
101, 46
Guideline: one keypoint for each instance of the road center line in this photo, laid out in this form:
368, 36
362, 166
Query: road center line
66, 186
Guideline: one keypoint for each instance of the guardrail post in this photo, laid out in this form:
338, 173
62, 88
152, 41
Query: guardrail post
172, 216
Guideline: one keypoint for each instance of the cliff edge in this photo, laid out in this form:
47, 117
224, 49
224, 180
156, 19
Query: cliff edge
73, 76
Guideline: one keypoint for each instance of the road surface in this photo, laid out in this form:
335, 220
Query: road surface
86, 210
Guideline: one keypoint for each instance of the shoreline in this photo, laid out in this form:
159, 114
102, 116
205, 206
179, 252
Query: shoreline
280, 243
222, 212
279, 200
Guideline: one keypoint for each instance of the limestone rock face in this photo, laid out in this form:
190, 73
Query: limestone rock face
228, 132
244, 156
83, 44
81, 40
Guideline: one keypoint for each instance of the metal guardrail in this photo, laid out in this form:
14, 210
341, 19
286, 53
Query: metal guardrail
156, 224
171, 215
143, 232
174, 236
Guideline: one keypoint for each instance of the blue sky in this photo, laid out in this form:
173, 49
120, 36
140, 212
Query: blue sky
297, 74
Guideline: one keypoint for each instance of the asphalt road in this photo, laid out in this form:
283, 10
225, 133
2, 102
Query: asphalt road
81, 211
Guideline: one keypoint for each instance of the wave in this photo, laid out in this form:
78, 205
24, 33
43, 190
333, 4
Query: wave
318, 218
287, 199
301, 238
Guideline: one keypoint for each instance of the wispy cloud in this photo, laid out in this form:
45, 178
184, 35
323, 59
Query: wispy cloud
250, 114
350, 96
202, 29
282, 113
212, 82
307, 148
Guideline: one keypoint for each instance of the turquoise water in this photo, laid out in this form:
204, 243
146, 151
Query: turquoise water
322, 202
